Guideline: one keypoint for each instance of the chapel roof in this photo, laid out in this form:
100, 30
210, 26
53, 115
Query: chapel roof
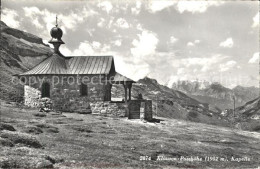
82, 65
57, 64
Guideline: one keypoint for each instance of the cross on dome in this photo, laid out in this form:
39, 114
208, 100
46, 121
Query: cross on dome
56, 34
56, 21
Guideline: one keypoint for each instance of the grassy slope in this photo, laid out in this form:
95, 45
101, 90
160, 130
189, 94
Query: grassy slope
19, 52
95, 141
167, 102
215, 102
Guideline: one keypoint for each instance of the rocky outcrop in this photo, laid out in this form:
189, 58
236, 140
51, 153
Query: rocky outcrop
20, 34
246, 93
251, 109
19, 52
23, 47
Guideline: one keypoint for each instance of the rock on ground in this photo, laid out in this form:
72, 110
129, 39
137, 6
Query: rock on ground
4, 126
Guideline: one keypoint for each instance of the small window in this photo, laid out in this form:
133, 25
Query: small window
83, 90
45, 90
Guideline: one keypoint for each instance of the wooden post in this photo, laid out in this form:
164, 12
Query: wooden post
142, 111
125, 87
126, 105
110, 88
234, 99
130, 86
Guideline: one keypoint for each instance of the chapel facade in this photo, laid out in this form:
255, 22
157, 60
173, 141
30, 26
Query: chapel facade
75, 84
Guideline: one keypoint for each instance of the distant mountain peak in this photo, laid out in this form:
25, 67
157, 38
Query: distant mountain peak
239, 87
148, 79
217, 94
218, 86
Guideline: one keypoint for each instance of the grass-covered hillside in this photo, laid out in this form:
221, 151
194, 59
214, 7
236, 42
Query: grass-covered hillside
19, 52
30, 139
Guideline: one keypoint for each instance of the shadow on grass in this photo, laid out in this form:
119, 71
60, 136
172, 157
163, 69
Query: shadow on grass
154, 120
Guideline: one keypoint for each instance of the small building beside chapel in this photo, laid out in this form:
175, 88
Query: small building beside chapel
76, 84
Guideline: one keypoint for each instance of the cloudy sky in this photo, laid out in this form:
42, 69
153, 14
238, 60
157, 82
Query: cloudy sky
166, 40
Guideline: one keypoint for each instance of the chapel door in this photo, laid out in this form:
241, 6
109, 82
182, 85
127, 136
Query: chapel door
45, 89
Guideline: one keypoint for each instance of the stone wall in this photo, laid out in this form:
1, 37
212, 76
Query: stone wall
148, 112
119, 109
66, 95
32, 96
108, 108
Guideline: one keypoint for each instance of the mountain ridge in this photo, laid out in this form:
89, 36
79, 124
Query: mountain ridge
218, 95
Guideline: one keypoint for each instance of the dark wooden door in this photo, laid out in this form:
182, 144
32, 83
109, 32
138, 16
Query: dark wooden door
45, 90
134, 110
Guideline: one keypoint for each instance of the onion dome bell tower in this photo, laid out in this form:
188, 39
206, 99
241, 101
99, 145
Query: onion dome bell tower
56, 34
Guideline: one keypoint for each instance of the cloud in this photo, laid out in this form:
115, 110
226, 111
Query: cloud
46, 20
37, 23
227, 66
255, 58
228, 43
193, 43
206, 64
123, 64
190, 44
65, 51
31, 11
138, 4
41, 19
45, 42
173, 39
180, 71
10, 17
117, 42
172, 79
256, 20
88, 12
196, 6
34, 13
96, 45
146, 44
71, 20
136, 10
122, 23
182, 6
106, 6
132, 70
101, 22
197, 41
155, 6
87, 48
139, 27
